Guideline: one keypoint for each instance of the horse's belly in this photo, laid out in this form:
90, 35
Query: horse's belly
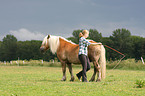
74, 60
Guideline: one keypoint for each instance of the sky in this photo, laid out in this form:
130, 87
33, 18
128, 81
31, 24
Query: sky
34, 19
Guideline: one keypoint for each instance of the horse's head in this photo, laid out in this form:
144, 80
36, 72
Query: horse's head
50, 42
45, 44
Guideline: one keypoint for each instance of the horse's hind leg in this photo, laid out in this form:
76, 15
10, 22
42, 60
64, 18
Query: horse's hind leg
94, 74
71, 72
64, 72
99, 73
98, 70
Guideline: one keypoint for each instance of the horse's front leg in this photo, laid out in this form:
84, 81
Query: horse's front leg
71, 72
64, 72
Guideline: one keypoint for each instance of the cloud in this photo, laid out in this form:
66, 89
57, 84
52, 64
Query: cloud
24, 34
1, 37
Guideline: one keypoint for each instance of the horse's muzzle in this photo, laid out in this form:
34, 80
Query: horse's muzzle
42, 49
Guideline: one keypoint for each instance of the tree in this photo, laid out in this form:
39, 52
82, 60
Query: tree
76, 35
122, 41
95, 35
110, 54
0, 44
31, 50
139, 47
8, 48
73, 39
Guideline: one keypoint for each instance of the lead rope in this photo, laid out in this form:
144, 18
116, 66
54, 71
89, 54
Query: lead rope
117, 52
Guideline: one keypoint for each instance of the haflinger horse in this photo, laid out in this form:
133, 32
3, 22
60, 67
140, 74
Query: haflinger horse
67, 53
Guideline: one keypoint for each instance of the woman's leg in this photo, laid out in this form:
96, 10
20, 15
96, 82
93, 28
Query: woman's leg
88, 64
88, 68
82, 73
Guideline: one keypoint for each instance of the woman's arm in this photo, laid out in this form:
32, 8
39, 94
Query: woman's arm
96, 44
86, 42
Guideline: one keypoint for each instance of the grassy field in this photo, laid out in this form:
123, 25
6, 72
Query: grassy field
45, 81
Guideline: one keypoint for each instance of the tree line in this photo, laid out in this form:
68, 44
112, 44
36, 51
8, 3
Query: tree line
11, 49
121, 40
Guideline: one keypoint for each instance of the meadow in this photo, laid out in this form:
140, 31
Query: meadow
45, 80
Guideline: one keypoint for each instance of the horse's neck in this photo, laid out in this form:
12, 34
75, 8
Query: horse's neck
66, 45
66, 48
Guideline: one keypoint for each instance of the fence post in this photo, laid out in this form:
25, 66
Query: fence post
42, 61
23, 62
142, 60
5, 62
11, 62
18, 61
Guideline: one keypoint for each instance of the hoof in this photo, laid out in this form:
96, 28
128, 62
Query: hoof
91, 80
63, 79
98, 80
72, 79
85, 81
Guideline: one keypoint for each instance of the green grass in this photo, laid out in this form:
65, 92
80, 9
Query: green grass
45, 81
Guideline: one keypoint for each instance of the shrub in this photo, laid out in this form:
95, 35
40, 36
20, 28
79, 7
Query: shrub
128, 64
140, 83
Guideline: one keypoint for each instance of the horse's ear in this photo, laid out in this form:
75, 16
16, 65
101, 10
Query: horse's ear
48, 37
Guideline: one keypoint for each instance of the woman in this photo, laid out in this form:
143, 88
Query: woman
83, 44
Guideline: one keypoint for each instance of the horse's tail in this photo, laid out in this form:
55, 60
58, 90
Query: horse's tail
103, 62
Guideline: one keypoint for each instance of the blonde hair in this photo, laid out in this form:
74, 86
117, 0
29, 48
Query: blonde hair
83, 33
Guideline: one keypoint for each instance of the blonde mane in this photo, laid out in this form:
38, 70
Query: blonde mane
53, 43
44, 41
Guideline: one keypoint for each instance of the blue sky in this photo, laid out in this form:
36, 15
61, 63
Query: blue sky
34, 19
